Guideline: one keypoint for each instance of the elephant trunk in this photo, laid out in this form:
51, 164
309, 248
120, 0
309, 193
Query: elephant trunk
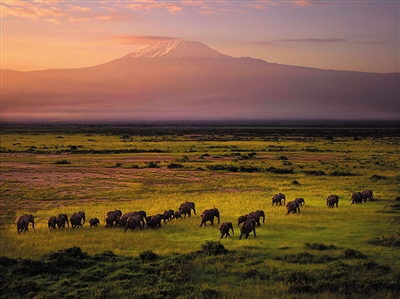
233, 232
83, 220
33, 225
218, 219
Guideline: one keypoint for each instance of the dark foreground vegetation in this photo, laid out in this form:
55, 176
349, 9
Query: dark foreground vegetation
72, 273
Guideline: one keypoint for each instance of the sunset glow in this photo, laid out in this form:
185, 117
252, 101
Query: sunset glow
341, 35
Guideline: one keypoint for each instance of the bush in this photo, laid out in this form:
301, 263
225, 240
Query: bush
314, 172
174, 166
62, 162
148, 255
152, 164
353, 254
213, 248
392, 241
342, 173
279, 170
318, 246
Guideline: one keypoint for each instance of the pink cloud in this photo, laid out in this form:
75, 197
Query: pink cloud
141, 39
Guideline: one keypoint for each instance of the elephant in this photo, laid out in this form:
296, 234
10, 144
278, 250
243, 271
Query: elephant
277, 199
52, 222
367, 194
177, 215
208, 215
256, 216
168, 215
332, 200
246, 228
242, 219
356, 197
23, 222
293, 206
113, 217
76, 219
133, 221
61, 220
187, 207
94, 222
224, 229
124, 218
154, 221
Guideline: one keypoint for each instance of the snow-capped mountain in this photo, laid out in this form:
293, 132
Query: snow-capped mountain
176, 49
182, 80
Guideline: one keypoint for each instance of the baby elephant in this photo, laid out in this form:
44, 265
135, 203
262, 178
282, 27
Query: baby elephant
94, 222
224, 229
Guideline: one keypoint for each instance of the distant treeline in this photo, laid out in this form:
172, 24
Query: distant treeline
356, 129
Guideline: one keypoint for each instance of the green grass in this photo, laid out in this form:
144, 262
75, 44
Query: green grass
100, 176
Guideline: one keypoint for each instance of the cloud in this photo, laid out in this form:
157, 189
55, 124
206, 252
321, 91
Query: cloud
315, 40
31, 10
141, 39
148, 5
263, 43
303, 3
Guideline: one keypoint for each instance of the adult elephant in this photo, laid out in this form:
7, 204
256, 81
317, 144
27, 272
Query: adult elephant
247, 227
51, 223
356, 197
140, 214
112, 218
278, 198
256, 216
367, 194
94, 222
61, 219
224, 229
187, 207
168, 215
154, 221
76, 219
132, 222
293, 206
242, 219
332, 200
208, 215
23, 222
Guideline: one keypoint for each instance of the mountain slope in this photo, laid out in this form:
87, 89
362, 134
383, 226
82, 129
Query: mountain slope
187, 81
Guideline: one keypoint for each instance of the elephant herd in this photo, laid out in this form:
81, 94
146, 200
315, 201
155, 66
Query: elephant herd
131, 220
356, 197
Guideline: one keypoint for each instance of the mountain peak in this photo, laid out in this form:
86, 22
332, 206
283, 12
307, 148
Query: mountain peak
176, 49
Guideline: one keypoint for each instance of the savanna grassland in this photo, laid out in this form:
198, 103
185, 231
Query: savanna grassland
349, 251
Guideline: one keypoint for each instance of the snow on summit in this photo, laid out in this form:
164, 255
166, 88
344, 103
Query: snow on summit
176, 49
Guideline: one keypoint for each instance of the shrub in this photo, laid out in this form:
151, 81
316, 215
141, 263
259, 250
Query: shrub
174, 166
210, 294
392, 241
318, 246
279, 170
353, 254
62, 162
314, 172
213, 248
377, 177
152, 164
148, 255
342, 173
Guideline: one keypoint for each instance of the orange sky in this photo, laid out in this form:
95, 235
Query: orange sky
354, 35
